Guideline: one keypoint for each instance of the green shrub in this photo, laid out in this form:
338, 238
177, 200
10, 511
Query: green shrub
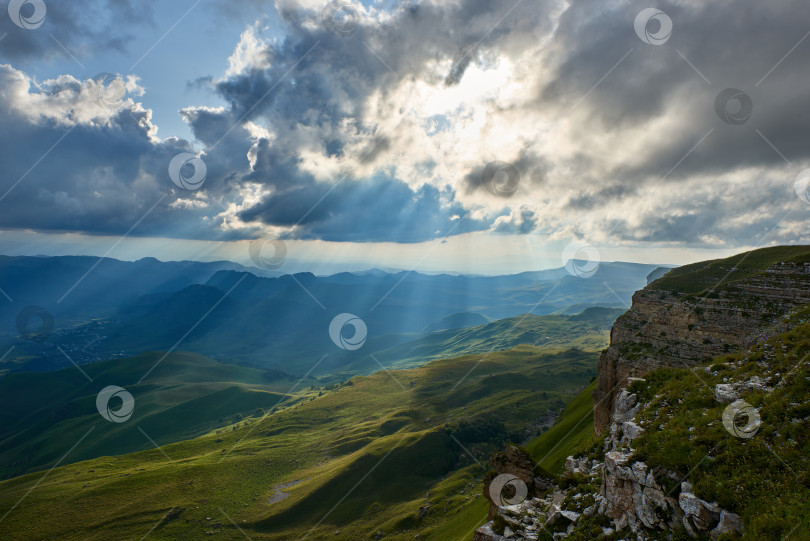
498, 524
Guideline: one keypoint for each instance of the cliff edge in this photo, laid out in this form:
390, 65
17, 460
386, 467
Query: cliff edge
701, 311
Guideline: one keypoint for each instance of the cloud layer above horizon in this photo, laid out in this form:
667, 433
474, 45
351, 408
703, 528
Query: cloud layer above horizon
426, 120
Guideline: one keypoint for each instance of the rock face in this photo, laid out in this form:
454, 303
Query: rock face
485, 533
525, 521
631, 496
664, 328
515, 461
629, 493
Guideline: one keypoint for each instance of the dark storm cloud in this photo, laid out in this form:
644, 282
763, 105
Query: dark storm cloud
375, 209
637, 120
529, 172
98, 177
81, 27
334, 74
732, 44
588, 199
332, 80
383, 210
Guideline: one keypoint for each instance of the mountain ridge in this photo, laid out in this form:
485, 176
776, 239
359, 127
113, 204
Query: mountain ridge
126, 308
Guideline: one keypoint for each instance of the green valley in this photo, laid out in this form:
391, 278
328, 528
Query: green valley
358, 459
185, 396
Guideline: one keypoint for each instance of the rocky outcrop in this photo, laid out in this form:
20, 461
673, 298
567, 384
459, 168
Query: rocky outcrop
525, 521
632, 497
666, 328
629, 494
729, 392
516, 462
486, 533
700, 516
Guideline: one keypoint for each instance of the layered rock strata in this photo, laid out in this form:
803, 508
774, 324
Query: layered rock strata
666, 328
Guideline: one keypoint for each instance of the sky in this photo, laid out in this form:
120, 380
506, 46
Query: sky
481, 136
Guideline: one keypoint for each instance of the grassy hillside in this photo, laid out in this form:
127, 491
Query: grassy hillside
43, 414
572, 432
697, 277
359, 459
588, 330
764, 478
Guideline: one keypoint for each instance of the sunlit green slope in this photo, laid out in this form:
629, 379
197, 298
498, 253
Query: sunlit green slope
357, 460
44, 414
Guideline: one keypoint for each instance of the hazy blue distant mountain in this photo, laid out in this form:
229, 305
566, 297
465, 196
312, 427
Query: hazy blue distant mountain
225, 312
458, 321
73, 288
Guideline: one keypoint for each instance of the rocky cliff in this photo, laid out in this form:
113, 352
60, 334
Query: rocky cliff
668, 325
715, 445
596, 499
